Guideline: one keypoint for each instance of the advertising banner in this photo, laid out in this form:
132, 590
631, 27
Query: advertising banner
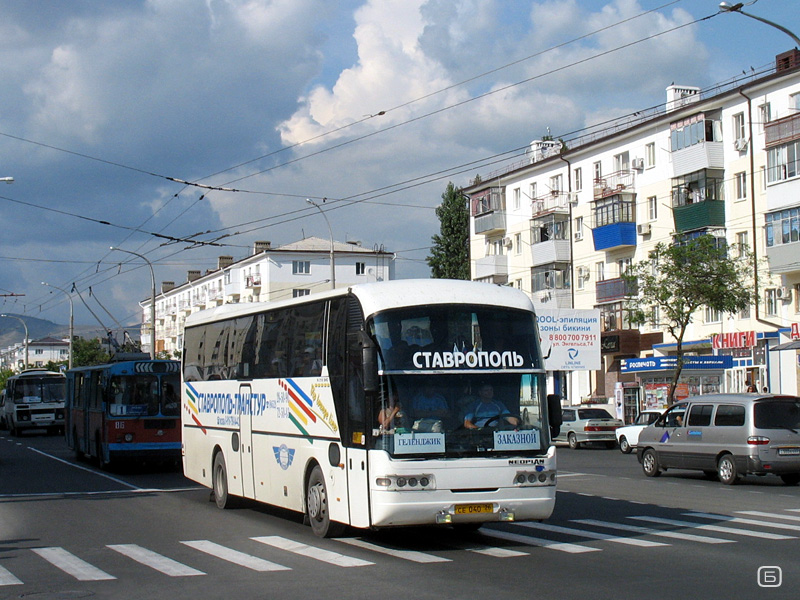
570, 339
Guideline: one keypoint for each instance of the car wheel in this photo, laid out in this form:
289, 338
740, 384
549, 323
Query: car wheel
572, 440
624, 446
726, 470
650, 464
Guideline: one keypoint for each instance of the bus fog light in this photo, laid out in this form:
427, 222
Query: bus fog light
443, 517
520, 478
542, 477
505, 514
401, 482
412, 481
532, 478
424, 481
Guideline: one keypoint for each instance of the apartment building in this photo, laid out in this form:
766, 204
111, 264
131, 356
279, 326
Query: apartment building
564, 224
287, 271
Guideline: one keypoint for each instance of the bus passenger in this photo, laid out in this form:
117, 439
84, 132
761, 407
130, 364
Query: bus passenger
430, 404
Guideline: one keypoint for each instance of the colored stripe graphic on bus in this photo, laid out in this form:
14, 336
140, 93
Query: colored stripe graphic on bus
299, 406
191, 404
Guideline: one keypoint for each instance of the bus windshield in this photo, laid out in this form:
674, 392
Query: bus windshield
45, 389
144, 395
459, 381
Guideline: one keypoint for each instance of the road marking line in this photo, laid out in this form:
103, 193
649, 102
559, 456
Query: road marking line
333, 558
72, 565
239, 558
82, 468
6, 578
592, 535
727, 519
412, 555
659, 532
731, 530
541, 542
758, 513
155, 561
496, 552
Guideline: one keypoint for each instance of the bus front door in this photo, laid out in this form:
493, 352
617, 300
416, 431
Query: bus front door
246, 445
358, 487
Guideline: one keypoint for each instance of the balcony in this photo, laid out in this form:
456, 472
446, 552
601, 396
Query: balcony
613, 290
705, 155
615, 183
487, 208
252, 281
494, 267
614, 236
555, 201
699, 215
491, 222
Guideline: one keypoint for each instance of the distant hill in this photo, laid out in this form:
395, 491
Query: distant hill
12, 331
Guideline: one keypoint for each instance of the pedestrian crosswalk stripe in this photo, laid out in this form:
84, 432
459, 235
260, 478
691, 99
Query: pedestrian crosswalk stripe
236, 557
727, 519
677, 535
72, 565
731, 530
321, 554
412, 555
6, 578
155, 561
592, 535
534, 541
758, 513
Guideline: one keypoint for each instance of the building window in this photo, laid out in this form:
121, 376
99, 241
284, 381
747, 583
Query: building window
783, 227
740, 180
518, 284
765, 116
598, 170
614, 209
652, 208
555, 276
783, 162
361, 268
689, 132
299, 293
794, 101
739, 132
622, 162
578, 174
518, 243
655, 317
555, 184
600, 271
741, 242
517, 198
797, 296
713, 316
533, 191
699, 186
771, 301
578, 228
650, 155
301, 267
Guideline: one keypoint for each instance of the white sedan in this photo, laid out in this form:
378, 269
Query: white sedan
628, 436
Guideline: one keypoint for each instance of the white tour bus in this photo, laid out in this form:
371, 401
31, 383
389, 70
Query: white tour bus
406, 402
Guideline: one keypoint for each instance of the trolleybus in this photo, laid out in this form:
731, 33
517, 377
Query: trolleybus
380, 405
34, 399
125, 410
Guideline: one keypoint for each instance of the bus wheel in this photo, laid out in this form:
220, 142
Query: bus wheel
317, 506
220, 482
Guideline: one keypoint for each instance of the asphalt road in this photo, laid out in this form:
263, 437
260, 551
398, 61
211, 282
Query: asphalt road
68, 530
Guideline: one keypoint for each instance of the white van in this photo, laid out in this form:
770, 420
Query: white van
726, 436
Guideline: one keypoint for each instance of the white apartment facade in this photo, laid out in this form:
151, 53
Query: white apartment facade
40, 353
566, 223
292, 270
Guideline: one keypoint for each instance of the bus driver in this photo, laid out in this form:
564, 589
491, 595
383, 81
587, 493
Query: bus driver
487, 410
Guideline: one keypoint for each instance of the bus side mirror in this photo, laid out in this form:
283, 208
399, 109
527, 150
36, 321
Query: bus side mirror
554, 414
369, 359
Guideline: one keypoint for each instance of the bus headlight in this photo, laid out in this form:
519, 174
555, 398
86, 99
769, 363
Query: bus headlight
128, 437
406, 482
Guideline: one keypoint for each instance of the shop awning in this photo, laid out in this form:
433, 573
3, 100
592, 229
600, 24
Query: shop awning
793, 345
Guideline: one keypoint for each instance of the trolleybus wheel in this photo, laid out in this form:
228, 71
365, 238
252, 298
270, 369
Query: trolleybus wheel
318, 507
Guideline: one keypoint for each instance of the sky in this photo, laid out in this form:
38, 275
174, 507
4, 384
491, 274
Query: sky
183, 130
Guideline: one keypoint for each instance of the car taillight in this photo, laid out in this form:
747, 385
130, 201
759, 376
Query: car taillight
599, 428
758, 440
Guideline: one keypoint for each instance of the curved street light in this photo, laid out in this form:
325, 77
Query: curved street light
71, 321
152, 301
725, 7
25, 325
330, 231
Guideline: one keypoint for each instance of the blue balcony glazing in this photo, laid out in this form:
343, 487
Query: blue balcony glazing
614, 235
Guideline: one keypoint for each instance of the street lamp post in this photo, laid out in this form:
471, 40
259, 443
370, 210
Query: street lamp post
71, 321
152, 301
330, 231
725, 7
25, 325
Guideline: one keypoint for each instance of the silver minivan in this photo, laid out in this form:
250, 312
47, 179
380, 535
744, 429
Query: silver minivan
726, 436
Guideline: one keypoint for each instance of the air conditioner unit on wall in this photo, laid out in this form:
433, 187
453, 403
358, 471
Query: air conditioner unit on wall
507, 242
643, 229
583, 272
637, 164
740, 144
578, 236
783, 293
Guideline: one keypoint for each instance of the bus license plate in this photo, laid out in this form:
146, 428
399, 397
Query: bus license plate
788, 451
473, 509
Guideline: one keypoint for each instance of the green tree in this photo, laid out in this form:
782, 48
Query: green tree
88, 352
681, 278
449, 257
